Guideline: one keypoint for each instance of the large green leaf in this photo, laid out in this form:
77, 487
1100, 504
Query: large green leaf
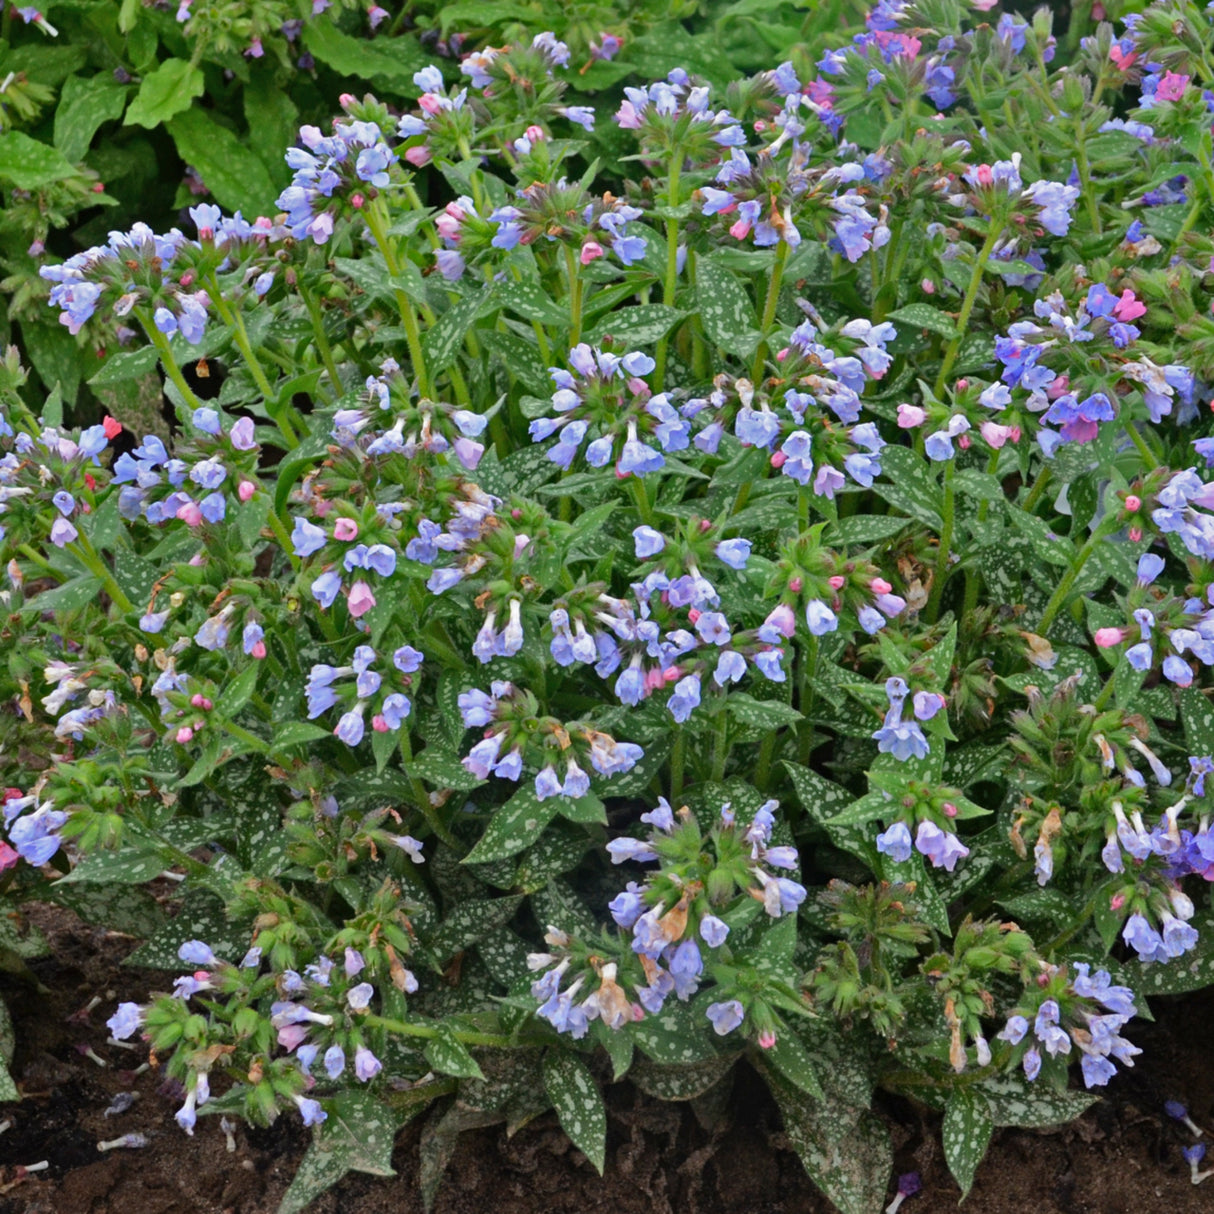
389, 62
967, 1133
85, 103
233, 173
164, 92
356, 1136
578, 1103
30, 165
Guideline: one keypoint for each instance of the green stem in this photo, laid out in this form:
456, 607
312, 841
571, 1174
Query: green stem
720, 746
284, 540
769, 311
575, 297
677, 757
808, 665
637, 487
420, 796
407, 1028
172, 370
322, 340
408, 315
1144, 450
37, 558
258, 744
1038, 488
671, 285
967, 306
83, 548
946, 542
1058, 599
972, 580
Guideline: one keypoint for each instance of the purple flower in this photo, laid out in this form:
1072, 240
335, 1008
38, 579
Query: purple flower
686, 966
713, 931
725, 1017
366, 1065
686, 698
941, 847
648, 542
896, 842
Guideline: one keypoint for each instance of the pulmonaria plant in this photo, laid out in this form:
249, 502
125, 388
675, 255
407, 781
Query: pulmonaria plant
527, 529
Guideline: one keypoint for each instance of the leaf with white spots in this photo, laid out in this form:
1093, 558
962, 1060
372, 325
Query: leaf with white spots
846, 1151
967, 1133
201, 917
726, 311
449, 1056
681, 1082
356, 1136
578, 1103
1013, 1101
514, 826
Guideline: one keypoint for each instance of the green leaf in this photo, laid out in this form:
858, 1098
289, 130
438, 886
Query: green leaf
644, 324
443, 769
680, 1082
164, 92
1190, 972
233, 173
201, 917
725, 309
846, 1152
449, 1056
1014, 1101
1197, 713
127, 365
578, 1103
967, 1133
442, 340
71, 596
297, 733
794, 1062
514, 826
906, 484
85, 103
8, 1041
865, 529
127, 866
386, 62
531, 301
30, 165
469, 921
122, 908
764, 714
357, 1136
677, 1036
924, 316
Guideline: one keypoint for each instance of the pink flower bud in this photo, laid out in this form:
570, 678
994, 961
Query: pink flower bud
535, 134
950, 810
361, 599
187, 278
705, 525
879, 586
246, 490
781, 355
345, 529
962, 385
190, 514
1133, 503
1117, 901
418, 156
964, 442
346, 100
591, 251
778, 459
197, 700
795, 584
516, 513
379, 724
910, 416
837, 582
1058, 387
767, 1039
693, 615
740, 230
928, 287
258, 650
185, 734
430, 103
1135, 534
1106, 638
357, 201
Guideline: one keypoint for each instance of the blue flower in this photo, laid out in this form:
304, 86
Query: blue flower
735, 553
896, 842
648, 542
725, 1017
307, 538
686, 698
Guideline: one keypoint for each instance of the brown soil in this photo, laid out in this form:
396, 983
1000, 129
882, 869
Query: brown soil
1122, 1157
